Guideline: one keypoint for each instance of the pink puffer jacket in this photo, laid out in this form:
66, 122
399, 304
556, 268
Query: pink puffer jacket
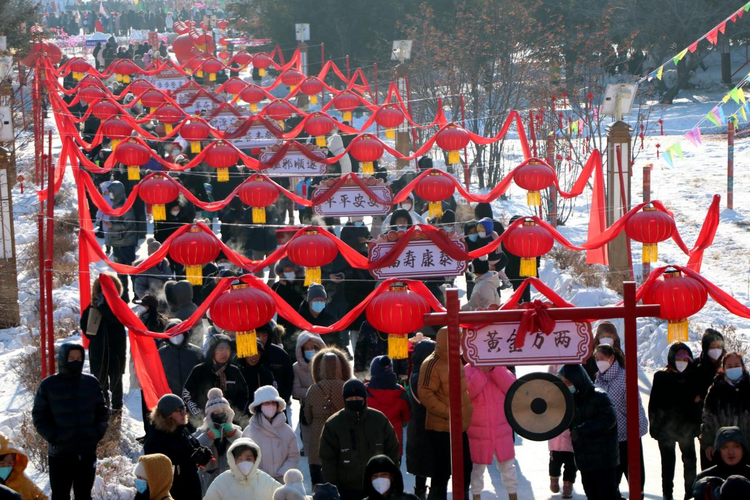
489, 432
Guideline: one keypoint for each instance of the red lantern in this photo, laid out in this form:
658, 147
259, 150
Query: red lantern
533, 177
104, 110
47, 49
241, 310
79, 67
152, 99
679, 297
452, 139
346, 102
292, 78
133, 155
224, 56
435, 188
319, 125
223, 24
168, 115
91, 94
311, 250
279, 110
234, 86
194, 250
528, 241
367, 149
139, 86
311, 87
212, 66
194, 132
242, 58
124, 69
221, 156
117, 130
397, 312
157, 191
650, 227
258, 193
262, 61
253, 94
389, 118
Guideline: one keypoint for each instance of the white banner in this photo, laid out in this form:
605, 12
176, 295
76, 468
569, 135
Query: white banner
257, 136
419, 259
226, 120
352, 201
294, 164
494, 345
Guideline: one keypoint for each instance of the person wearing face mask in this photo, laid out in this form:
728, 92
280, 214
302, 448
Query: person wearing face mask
593, 432
732, 452
308, 345
256, 373
484, 294
401, 220
268, 428
330, 370
351, 437
179, 212
244, 479
13, 463
290, 288
315, 311
71, 414
611, 379
386, 395
674, 413
171, 437
216, 371
383, 479
153, 477
122, 233
727, 402
407, 208
276, 358
707, 365
216, 434
152, 280
178, 357
606, 333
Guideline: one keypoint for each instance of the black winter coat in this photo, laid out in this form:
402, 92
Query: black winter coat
419, 453
278, 361
261, 237
179, 361
726, 405
722, 469
255, 376
203, 377
69, 411
183, 450
108, 346
594, 426
705, 374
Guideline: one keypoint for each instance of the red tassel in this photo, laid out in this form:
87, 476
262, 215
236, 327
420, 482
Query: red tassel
661, 126
560, 119
657, 151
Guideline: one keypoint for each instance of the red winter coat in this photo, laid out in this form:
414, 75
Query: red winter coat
394, 403
489, 432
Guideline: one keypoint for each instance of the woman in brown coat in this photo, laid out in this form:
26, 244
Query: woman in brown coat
330, 369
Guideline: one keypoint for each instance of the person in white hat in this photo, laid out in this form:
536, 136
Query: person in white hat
268, 428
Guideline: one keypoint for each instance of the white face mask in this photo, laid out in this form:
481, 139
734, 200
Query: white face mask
289, 276
269, 411
381, 484
406, 206
175, 211
607, 341
715, 353
245, 467
177, 339
681, 365
603, 366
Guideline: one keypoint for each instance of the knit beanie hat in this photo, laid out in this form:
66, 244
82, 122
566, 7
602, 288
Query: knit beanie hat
355, 387
153, 246
316, 291
294, 487
169, 403
217, 402
326, 491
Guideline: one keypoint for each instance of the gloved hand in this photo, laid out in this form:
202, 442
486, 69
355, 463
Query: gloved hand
202, 455
487, 224
228, 428
214, 432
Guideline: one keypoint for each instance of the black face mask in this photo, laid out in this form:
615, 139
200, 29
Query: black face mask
219, 418
355, 405
74, 368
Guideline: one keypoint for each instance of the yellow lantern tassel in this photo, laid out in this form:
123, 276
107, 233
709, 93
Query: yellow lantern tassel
254, 107
528, 267
454, 157
436, 209
390, 133
134, 173
222, 174
368, 168
118, 77
292, 88
195, 147
212, 77
199, 74
194, 274
348, 116
168, 128
159, 212
533, 198
76, 76
262, 71
654, 253
247, 344
320, 141
151, 110
281, 124
314, 99
189, 71
312, 275
677, 331
398, 346
259, 215
115, 143
125, 78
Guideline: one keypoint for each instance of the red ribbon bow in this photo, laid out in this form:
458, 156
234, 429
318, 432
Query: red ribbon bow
535, 319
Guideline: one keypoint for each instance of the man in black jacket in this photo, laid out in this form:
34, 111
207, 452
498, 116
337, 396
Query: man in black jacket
122, 234
730, 456
71, 415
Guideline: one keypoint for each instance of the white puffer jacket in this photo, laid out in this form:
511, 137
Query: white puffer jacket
234, 485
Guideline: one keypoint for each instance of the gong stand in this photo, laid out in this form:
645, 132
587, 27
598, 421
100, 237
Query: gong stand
630, 311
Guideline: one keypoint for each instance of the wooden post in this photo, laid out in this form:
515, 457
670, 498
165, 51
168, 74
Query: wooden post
466, 156
631, 391
9, 315
454, 387
552, 189
302, 100
730, 165
646, 269
403, 144
618, 194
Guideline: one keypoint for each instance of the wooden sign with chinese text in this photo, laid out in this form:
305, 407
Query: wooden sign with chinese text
420, 259
257, 136
351, 200
294, 163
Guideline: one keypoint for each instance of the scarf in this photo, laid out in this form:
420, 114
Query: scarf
219, 370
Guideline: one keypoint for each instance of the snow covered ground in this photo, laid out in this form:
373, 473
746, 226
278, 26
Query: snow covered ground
686, 189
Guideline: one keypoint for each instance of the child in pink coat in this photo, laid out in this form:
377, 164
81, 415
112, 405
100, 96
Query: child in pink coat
561, 453
490, 434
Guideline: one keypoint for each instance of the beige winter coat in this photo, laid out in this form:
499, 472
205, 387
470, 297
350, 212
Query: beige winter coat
277, 441
302, 368
484, 293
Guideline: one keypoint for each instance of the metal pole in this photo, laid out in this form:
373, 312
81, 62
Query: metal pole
375, 76
466, 156
730, 165
454, 387
631, 391
552, 188
322, 56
